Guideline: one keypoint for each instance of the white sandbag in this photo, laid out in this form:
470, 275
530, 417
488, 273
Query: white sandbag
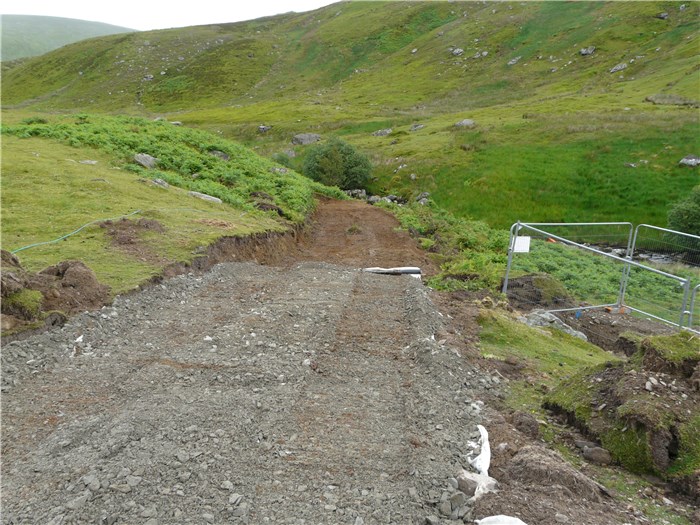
482, 462
500, 520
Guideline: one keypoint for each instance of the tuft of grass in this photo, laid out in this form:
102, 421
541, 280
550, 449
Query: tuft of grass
26, 304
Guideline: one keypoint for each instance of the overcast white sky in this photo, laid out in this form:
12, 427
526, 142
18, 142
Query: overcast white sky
145, 14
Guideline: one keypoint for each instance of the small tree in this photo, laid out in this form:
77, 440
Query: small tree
337, 163
684, 215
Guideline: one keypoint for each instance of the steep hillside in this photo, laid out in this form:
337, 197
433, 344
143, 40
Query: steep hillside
559, 93
28, 36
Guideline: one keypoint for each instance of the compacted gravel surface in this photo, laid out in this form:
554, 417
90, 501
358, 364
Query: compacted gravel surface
310, 394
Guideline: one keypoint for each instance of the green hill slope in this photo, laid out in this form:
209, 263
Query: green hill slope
64, 172
27, 36
556, 130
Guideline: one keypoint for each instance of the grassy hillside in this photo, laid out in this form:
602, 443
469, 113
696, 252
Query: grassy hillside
557, 135
28, 36
49, 190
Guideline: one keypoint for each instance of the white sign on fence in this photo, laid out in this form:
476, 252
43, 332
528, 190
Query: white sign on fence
522, 244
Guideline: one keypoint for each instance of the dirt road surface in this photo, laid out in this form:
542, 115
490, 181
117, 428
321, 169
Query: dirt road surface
305, 393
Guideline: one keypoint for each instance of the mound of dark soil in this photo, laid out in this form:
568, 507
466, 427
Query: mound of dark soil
29, 299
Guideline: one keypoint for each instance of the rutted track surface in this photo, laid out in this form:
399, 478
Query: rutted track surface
312, 393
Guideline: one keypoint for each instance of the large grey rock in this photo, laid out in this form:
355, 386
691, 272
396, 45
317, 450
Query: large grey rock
597, 455
382, 132
146, 160
204, 196
465, 123
540, 318
690, 160
262, 128
619, 67
219, 154
457, 51
305, 138
587, 51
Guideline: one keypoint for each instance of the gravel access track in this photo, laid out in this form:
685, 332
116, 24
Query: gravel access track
311, 394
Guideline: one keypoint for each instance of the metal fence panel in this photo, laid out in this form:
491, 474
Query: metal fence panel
599, 265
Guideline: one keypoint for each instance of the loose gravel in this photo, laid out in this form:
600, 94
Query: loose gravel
315, 394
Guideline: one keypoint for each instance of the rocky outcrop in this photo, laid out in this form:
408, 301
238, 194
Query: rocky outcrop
146, 160
305, 138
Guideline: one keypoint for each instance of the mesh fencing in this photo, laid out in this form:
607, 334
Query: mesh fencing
648, 271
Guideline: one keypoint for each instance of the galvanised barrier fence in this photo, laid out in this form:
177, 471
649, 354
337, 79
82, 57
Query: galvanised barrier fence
647, 269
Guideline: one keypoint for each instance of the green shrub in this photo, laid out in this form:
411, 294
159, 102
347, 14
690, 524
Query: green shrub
337, 163
684, 215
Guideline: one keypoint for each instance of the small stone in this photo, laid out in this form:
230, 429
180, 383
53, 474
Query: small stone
182, 456
359, 521
78, 502
209, 518
149, 512
235, 499
227, 485
432, 520
465, 123
458, 500
561, 518
91, 482
648, 386
467, 485
653, 381
133, 481
452, 482
121, 488
445, 508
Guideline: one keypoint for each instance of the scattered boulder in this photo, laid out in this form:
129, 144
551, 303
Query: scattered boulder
514, 61
597, 455
305, 138
587, 51
423, 196
357, 194
619, 67
662, 16
465, 123
549, 320
219, 154
416, 127
146, 160
161, 183
690, 160
458, 51
262, 128
204, 196
374, 199
176, 123
382, 132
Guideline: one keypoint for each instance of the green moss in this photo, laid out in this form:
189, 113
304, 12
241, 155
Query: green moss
688, 461
630, 447
675, 348
26, 304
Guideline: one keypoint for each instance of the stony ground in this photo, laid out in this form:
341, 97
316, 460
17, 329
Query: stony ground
308, 393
